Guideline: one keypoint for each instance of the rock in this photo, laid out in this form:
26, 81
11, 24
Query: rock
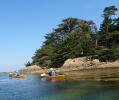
83, 63
31, 69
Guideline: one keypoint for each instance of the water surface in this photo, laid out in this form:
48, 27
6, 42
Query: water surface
35, 88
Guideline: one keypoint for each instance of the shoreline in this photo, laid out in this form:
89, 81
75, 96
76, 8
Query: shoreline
81, 68
110, 73
95, 74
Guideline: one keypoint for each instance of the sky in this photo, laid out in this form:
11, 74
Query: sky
24, 23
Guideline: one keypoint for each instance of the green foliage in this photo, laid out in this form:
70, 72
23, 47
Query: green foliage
115, 49
110, 39
105, 55
109, 11
72, 38
75, 37
28, 64
44, 55
107, 22
108, 36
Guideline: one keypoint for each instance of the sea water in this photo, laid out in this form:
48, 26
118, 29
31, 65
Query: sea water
35, 88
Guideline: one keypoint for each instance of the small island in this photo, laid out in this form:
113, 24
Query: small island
78, 48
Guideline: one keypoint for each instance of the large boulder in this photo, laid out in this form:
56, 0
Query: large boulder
74, 64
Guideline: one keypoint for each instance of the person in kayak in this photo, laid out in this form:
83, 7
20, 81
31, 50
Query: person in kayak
52, 72
17, 73
11, 74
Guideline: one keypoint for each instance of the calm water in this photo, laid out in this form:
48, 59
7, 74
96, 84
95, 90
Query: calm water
34, 88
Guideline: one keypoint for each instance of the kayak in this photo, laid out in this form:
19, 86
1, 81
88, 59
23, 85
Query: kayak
21, 76
57, 77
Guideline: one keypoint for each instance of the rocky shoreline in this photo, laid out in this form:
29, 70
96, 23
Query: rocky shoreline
83, 63
82, 68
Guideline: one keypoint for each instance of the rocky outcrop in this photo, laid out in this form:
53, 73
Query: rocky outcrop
83, 63
76, 64
33, 69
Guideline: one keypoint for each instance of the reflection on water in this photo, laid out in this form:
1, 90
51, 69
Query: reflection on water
35, 88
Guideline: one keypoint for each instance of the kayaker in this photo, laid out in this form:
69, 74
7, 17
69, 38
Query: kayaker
17, 73
52, 72
10, 74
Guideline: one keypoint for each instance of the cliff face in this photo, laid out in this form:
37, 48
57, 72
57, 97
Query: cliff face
83, 63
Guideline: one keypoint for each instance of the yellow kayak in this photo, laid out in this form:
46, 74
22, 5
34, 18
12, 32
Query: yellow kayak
57, 77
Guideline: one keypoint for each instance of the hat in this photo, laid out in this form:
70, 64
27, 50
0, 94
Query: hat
51, 69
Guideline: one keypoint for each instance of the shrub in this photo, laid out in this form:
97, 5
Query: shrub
106, 55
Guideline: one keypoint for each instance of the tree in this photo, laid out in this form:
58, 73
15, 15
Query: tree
71, 37
44, 55
107, 14
75, 37
28, 64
